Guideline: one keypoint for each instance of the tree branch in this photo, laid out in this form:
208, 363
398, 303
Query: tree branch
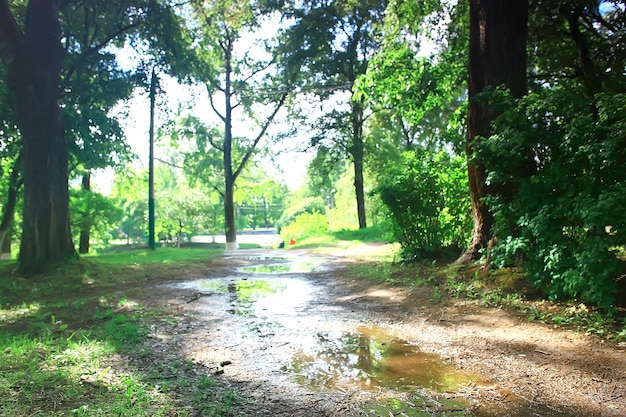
10, 35
215, 110
96, 48
173, 165
219, 148
267, 124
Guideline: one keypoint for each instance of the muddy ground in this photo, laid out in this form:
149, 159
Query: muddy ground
292, 334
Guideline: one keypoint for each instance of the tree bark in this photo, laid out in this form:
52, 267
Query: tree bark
85, 226
358, 151
34, 67
229, 177
591, 81
497, 56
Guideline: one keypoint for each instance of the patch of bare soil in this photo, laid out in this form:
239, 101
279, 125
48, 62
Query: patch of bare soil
274, 339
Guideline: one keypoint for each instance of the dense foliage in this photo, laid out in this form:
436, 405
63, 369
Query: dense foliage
426, 194
563, 154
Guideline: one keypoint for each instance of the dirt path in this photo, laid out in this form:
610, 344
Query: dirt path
297, 337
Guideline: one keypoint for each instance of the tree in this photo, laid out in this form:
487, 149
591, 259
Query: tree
497, 57
562, 146
33, 58
221, 26
35, 61
330, 43
129, 192
93, 82
93, 85
261, 198
91, 211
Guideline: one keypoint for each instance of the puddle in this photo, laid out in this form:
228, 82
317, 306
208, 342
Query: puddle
293, 266
260, 258
419, 406
293, 313
370, 358
256, 297
268, 269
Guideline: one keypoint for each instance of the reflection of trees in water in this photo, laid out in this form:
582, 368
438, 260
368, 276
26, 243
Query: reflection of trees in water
242, 294
371, 358
268, 269
351, 358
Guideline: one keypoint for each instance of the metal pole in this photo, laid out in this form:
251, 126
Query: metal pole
151, 233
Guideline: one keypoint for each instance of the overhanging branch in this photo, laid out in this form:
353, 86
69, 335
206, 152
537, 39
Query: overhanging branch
10, 36
267, 124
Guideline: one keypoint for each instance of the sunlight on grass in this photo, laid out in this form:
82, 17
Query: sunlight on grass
13, 314
160, 255
58, 376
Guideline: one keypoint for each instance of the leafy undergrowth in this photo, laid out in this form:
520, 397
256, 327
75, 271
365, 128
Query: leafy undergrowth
503, 288
60, 332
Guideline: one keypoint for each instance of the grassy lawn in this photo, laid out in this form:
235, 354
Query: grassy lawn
58, 332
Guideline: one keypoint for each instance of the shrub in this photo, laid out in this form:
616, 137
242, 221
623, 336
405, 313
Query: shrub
563, 156
427, 197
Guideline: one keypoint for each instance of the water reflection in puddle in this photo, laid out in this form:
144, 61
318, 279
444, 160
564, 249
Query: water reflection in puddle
370, 358
258, 297
294, 265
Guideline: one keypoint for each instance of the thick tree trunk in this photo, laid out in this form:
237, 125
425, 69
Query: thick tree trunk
497, 56
5, 248
34, 78
85, 224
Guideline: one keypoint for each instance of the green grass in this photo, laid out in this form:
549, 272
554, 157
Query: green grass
372, 234
414, 274
59, 373
376, 233
58, 332
159, 255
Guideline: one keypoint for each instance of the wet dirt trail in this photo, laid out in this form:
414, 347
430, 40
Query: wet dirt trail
292, 335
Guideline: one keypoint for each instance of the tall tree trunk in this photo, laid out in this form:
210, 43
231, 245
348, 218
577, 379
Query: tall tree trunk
34, 74
497, 56
229, 176
357, 151
5, 248
85, 224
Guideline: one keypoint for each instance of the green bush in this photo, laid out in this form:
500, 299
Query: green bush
306, 205
562, 157
306, 225
427, 197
